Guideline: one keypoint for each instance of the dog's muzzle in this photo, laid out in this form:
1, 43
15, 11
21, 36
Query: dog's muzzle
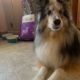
56, 23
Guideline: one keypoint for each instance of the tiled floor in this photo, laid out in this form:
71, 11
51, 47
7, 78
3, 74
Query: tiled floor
16, 61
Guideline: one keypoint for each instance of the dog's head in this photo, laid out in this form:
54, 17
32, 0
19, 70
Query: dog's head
54, 15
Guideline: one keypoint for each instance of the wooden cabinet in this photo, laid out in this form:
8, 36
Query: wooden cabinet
74, 7
78, 15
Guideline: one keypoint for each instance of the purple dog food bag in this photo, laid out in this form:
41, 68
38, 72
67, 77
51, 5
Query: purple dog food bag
28, 19
27, 27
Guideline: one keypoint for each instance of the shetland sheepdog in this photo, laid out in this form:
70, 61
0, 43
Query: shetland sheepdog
57, 41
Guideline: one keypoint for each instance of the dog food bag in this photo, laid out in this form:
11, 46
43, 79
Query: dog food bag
28, 20
27, 27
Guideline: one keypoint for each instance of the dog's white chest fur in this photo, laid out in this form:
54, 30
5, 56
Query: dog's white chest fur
47, 52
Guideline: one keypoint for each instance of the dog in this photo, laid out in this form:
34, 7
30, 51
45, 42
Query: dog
57, 41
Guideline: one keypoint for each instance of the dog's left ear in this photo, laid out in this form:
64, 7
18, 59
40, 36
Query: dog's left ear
64, 1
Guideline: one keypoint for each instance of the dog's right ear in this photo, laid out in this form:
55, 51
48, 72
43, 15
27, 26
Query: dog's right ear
42, 3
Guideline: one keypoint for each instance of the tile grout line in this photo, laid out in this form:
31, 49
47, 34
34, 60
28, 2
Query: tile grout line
12, 67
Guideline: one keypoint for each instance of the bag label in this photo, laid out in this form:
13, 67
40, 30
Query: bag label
28, 18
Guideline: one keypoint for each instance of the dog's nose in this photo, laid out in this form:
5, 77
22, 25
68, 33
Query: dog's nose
57, 22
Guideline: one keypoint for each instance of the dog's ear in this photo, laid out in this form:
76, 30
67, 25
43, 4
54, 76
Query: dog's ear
67, 10
61, 1
64, 2
42, 3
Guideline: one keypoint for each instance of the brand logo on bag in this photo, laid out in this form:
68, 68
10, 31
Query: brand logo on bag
28, 18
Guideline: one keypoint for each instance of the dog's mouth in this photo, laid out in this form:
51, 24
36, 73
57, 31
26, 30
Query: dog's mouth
55, 27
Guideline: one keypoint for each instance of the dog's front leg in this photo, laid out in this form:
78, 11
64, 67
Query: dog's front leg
41, 74
58, 74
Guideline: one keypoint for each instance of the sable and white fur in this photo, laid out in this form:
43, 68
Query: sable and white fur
57, 44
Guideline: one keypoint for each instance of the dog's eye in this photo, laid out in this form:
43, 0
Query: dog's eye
60, 12
49, 12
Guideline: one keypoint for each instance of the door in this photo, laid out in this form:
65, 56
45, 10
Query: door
13, 12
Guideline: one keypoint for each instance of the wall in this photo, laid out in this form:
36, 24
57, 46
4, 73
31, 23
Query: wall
3, 26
